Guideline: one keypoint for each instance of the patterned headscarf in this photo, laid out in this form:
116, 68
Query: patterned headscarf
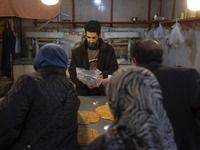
50, 55
141, 122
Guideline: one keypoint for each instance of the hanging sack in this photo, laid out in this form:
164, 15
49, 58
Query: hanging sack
159, 33
189, 37
176, 36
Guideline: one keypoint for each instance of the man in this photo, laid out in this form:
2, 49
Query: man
181, 92
92, 54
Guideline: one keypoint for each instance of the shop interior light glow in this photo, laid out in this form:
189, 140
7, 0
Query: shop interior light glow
50, 2
97, 2
193, 5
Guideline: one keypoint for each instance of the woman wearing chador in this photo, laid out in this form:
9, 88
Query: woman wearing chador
141, 123
33, 102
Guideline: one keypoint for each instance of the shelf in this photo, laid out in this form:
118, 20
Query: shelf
102, 22
118, 43
126, 35
188, 22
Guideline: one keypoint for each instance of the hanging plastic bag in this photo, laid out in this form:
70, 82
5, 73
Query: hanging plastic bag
88, 76
189, 37
176, 36
159, 33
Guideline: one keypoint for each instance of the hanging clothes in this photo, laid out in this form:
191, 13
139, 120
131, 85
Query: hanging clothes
8, 49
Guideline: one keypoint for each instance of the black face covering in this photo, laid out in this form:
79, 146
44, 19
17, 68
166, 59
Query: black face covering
93, 47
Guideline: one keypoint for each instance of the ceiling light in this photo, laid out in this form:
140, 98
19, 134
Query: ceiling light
50, 2
193, 4
97, 2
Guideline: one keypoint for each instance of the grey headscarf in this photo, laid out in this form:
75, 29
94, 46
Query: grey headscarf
141, 122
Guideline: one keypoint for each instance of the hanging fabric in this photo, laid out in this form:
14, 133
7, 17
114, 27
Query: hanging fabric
30, 9
8, 49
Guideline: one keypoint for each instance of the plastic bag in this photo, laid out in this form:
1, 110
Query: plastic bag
189, 37
176, 36
159, 33
88, 76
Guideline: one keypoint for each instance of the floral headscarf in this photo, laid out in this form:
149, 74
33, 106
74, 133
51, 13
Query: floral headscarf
141, 122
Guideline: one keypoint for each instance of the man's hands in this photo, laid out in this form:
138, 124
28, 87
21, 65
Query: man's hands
102, 81
92, 86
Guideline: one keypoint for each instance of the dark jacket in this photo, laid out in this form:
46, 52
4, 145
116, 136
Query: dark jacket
106, 63
100, 143
30, 106
181, 99
181, 92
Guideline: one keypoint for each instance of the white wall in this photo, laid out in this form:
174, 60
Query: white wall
123, 10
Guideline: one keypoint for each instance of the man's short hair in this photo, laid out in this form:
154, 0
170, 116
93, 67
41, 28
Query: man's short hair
146, 51
93, 26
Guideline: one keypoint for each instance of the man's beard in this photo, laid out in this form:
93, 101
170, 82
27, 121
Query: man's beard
93, 46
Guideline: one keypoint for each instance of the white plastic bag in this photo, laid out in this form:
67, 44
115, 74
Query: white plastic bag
189, 37
176, 36
159, 33
88, 76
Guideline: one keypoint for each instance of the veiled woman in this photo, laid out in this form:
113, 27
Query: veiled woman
40, 110
141, 123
